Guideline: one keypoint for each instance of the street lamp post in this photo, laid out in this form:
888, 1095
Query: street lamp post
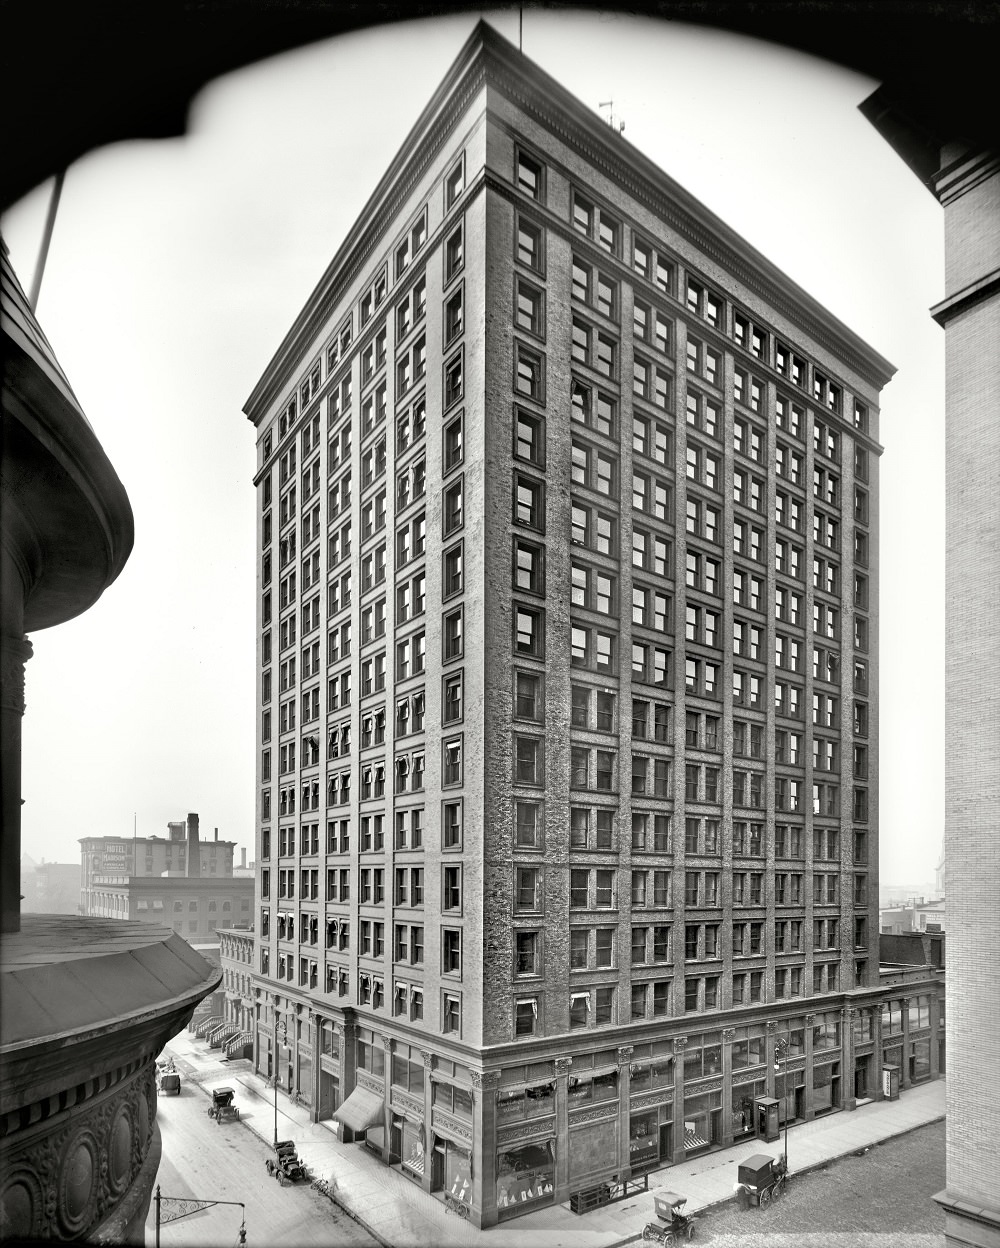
781, 1055
280, 1029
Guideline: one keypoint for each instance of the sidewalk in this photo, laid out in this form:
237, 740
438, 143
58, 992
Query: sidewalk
402, 1215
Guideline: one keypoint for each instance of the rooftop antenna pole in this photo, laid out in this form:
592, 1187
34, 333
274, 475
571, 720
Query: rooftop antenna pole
43, 251
520, 29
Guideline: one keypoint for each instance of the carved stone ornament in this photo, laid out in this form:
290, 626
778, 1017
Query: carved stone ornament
388, 1043
370, 1082
562, 1065
810, 1019
625, 1052
451, 1125
609, 1111
65, 1175
409, 1106
680, 1043
771, 1026
428, 1058
485, 1079
728, 1035
525, 1130
664, 1097
15, 653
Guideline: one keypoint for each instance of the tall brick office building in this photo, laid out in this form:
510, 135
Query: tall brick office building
568, 642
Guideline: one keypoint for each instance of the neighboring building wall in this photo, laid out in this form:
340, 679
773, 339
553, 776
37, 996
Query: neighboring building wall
195, 909
969, 190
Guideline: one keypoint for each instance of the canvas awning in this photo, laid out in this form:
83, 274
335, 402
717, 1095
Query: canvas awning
361, 1110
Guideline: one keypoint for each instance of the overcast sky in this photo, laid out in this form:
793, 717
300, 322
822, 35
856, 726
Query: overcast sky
177, 267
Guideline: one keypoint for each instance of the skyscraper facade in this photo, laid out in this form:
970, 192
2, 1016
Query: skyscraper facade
567, 843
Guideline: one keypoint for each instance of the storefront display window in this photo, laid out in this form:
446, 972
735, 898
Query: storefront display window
826, 1087
411, 1148
790, 1093
920, 1060
525, 1176
643, 1142
744, 1096
702, 1121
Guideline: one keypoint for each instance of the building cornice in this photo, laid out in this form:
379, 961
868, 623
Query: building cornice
553, 107
976, 292
487, 59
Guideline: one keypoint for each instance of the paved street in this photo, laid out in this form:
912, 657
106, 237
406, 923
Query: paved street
226, 1162
882, 1199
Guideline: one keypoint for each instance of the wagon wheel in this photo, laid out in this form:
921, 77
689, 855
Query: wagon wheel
778, 1188
765, 1197
690, 1230
236, 1112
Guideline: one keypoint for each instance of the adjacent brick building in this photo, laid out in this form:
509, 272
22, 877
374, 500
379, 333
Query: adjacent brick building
179, 880
568, 670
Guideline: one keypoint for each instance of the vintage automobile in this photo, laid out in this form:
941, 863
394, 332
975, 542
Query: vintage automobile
760, 1179
168, 1083
285, 1165
672, 1224
223, 1105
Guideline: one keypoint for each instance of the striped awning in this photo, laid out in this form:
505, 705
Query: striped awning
361, 1110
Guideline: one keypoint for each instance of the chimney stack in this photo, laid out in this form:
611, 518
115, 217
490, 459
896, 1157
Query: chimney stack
243, 857
216, 833
193, 847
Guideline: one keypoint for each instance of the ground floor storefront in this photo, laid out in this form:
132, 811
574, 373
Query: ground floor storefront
579, 1117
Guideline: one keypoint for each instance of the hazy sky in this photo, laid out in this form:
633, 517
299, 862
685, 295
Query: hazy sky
177, 267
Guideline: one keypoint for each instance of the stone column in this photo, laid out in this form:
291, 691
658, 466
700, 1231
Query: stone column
727, 1084
624, 1113
15, 651
935, 1041
877, 1051
388, 1044
809, 1112
847, 1098
318, 1022
680, 1044
484, 1146
562, 1065
904, 1065
770, 1036
429, 1063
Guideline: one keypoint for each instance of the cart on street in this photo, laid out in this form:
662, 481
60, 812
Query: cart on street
760, 1179
223, 1105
